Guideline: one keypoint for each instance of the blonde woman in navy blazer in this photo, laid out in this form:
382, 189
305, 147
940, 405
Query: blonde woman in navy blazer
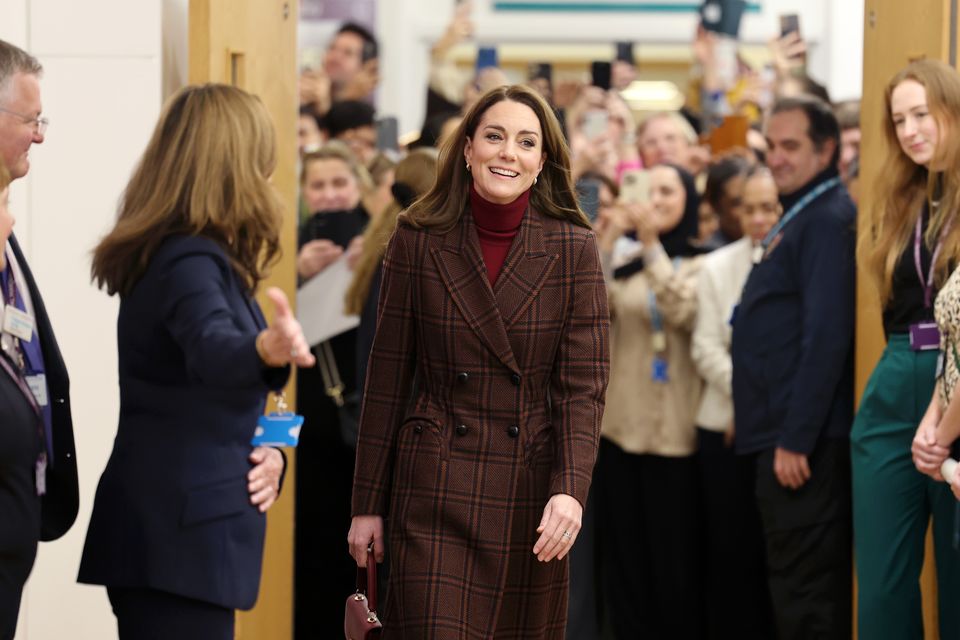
177, 529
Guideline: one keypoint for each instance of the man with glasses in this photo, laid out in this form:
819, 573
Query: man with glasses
46, 507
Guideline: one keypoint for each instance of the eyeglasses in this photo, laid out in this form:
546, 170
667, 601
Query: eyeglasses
39, 123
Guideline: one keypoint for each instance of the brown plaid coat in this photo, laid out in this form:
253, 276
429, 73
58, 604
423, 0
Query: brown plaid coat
509, 393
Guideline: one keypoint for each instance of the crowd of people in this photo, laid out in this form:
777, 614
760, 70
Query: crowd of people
602, 381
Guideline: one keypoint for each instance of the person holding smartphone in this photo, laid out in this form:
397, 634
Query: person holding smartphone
647, 514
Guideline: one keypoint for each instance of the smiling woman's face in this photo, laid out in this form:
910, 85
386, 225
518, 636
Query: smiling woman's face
506, 152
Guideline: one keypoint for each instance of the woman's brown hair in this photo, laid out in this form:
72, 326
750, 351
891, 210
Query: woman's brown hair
902, 186
418, 172
206, 172
552, 195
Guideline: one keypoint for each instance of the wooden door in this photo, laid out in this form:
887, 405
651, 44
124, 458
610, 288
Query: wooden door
895, 32
253, 44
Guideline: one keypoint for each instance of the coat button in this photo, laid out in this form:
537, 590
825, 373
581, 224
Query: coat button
462, 377
418, 428
513, 431
515, 379
462, 430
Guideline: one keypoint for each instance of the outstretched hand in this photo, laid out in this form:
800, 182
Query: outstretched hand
282, 342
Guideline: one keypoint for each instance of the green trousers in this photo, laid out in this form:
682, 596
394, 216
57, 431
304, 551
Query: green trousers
893, 502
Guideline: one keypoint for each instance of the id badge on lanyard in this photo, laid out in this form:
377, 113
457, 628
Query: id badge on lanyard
280, 428
925, 336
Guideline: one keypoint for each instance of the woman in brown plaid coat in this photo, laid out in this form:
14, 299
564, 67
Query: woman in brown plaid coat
485, 386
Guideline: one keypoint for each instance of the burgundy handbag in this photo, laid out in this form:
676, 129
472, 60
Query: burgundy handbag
360, 620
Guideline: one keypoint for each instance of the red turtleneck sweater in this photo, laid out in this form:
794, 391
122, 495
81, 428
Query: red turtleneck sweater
497, 224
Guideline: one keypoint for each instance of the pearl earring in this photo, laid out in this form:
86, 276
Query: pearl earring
468, 166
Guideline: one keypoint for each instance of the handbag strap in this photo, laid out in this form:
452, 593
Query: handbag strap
332, 384
367, 581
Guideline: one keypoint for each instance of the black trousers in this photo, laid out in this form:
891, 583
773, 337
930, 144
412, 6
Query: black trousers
734, 571
648, 523
14, 570
583, 620
324, 572
148, 614
809, 544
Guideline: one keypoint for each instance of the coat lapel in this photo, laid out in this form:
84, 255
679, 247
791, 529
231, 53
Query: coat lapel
525, 269
464, 274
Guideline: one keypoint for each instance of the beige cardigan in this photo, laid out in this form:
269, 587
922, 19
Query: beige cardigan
643, 416
722, 276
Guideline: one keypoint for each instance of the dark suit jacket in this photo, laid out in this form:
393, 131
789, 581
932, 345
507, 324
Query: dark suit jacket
60, 504
510, 392
792, 343
172, 511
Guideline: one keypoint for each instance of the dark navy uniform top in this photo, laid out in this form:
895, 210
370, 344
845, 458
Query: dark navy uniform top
792, 343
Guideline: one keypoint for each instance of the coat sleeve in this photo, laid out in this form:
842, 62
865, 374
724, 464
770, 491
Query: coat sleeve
828, 293
192, 296
390, 372
709, 347
676, 289
579, 378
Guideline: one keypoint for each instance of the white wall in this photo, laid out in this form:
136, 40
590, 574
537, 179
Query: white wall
406, 28
101, 90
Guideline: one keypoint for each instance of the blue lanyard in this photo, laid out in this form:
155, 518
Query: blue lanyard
797, 208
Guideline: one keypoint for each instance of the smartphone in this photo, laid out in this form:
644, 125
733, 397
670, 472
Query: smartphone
388, 134
369, 51
541, 70
595, 123
486, 57
722, 16
600, 74
588, 193
635, 186
789, 23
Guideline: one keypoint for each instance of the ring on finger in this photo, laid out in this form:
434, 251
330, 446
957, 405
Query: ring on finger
567, 535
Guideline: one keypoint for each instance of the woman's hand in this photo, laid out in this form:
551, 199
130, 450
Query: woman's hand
558, 528
927, 454
263, 481
641, 218
315, 256
363, 531
354, 251
282, 342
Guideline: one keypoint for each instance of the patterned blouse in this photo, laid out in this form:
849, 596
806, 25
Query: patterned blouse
947, 312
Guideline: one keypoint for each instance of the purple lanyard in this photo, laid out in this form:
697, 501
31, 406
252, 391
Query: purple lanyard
18, 379
917, 239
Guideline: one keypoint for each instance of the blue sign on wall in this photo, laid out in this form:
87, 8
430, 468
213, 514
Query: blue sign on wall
663, 6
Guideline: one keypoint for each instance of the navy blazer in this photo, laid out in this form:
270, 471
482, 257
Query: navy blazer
792, 343
58, 507
172, 511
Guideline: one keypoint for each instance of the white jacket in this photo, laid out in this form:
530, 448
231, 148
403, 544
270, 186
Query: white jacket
722, 276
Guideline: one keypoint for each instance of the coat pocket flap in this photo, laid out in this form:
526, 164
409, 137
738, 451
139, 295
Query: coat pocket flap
215, 501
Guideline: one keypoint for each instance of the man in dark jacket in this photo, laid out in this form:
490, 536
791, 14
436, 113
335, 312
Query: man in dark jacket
793, 375
50, 505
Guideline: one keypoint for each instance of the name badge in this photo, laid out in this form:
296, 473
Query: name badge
17, 323
40, 474
924, 336
277, 430
38, 386
658, 341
